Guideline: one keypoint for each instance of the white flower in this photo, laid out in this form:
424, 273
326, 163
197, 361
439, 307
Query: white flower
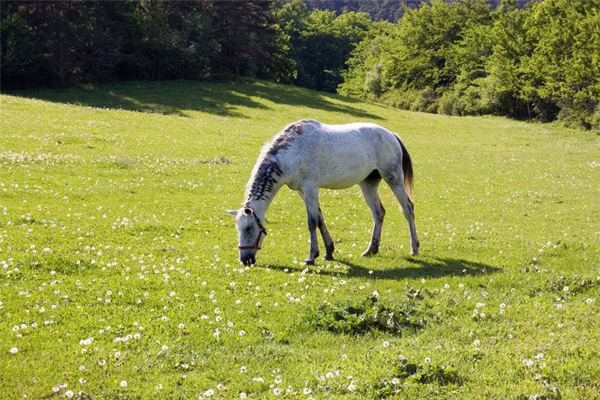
13, 350
69, 394
276, 391
427, 360
386, 343
476, 342
306, 391
243, 395
123, 384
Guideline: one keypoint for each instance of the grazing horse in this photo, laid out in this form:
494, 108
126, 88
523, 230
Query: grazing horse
308, 155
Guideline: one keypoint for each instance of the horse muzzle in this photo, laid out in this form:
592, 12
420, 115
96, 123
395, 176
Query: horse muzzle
248, 259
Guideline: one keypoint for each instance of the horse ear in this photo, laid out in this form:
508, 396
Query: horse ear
232, 212
248, 211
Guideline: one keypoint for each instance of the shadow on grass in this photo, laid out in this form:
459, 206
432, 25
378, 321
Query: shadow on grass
180, 97
424, 268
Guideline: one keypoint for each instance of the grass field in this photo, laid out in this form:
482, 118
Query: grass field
118, 265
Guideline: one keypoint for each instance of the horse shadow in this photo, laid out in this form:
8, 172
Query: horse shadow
436, 267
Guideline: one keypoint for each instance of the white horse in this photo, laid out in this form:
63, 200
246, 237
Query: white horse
308, 155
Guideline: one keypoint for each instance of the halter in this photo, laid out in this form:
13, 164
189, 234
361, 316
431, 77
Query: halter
262, 231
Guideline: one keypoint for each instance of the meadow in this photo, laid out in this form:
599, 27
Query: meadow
118, 264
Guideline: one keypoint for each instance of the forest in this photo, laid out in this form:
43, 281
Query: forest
538, 60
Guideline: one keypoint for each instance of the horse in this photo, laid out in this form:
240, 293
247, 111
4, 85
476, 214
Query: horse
308, 155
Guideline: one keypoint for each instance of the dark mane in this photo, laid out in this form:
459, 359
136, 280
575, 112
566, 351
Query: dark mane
269, 170
266, 175
287, 136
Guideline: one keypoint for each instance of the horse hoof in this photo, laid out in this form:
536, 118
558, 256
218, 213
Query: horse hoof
368, 253
309, 262
414, 253
328, 257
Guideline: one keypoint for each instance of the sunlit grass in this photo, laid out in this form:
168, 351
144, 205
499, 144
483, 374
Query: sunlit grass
119, 274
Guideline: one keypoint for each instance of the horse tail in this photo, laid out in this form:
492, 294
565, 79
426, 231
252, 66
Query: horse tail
407, 169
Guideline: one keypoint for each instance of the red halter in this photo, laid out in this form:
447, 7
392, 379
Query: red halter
262, 231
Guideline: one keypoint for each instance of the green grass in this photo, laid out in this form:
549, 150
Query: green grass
112, 227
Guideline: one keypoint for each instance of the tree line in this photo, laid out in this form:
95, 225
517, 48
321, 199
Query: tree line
465, 58
539, 60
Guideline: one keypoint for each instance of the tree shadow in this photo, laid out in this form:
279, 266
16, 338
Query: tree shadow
180, 97
425, 268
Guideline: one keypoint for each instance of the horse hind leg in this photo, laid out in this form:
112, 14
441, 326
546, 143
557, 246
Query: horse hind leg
368, 188
396, 183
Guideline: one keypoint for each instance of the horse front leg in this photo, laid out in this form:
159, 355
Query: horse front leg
327, 240
310, 195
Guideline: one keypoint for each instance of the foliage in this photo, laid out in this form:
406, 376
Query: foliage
320, 42
534, 62
58, 43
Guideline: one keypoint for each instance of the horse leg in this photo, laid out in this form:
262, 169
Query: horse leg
397, 186
369, 192
326, 237
310, 195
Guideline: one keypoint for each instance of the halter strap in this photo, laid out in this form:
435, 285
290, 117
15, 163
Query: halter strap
262, 231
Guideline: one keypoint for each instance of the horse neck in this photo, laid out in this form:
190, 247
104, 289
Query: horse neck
263, 186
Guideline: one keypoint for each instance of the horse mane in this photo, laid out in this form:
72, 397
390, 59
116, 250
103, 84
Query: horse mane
267, 169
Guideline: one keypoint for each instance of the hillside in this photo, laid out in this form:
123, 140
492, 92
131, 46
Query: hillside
119, 267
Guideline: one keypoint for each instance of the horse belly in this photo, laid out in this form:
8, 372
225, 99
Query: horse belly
345, 170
